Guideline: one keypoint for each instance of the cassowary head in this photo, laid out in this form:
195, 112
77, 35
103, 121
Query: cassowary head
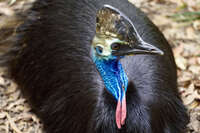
115, 38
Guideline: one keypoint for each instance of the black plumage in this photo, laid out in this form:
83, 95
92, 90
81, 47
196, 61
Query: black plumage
52, 65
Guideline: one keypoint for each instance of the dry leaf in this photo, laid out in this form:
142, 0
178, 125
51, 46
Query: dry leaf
196, 25
194, 69
181, 63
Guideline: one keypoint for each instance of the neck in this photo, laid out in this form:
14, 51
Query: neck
116, 82
113, 75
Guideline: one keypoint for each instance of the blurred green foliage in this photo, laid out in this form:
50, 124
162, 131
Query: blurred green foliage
186, 16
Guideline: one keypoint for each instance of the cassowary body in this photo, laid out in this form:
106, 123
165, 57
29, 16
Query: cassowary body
56, 70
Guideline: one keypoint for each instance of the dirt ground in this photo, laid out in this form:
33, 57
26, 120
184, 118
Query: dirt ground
179, 20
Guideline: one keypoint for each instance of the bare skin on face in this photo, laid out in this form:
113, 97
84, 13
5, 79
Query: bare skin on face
105, 43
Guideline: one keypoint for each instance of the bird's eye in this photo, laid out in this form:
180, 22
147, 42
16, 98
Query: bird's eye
115, 46
99, 49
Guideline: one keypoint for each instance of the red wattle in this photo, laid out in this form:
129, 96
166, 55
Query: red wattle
123, 108
118, 114
121, 112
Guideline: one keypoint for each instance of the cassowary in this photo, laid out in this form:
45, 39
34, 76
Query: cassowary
96, 66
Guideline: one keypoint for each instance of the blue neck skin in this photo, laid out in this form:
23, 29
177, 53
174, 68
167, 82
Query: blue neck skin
113, 75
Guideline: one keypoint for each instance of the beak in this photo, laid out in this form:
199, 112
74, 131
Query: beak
145, 48
140, 48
